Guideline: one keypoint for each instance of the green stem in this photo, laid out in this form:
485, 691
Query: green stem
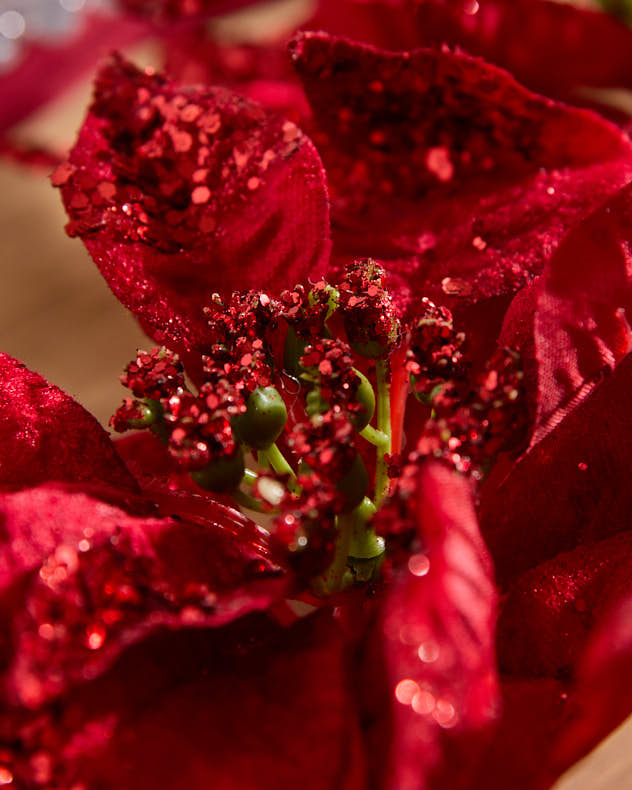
277, 461
250, 477
374, 436
364, 544
160, 431
384, 426
364, 511
332, 580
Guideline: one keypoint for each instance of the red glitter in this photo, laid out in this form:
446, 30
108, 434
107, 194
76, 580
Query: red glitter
178, 162
306, 310
329, 365
367, 309
434, 354
157, 374
199, 425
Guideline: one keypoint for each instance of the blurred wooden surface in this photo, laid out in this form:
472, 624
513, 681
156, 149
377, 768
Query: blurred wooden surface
59, 317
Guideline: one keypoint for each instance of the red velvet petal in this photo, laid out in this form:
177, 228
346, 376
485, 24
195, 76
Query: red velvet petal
604, 696
45, 69
553, 48
46, 435
550, 610
570, 488
255, 706
262, 73
560, 618
180, 193
443, 166
581, 327
169, 10
389, 24
436, 632
81, 580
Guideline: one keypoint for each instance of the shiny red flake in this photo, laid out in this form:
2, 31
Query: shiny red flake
155, 374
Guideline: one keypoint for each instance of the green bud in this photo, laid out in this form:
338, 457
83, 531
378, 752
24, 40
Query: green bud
366, 399
150, 410
264, 419
314, 404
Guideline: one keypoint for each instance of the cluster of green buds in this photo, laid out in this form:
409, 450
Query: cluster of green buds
296, 451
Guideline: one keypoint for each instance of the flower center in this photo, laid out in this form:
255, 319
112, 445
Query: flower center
294, 411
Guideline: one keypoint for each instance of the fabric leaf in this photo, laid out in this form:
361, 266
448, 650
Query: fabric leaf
443, 166
179, 193
47, 436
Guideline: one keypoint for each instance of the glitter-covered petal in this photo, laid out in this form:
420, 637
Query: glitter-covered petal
46, 435
550, 610
81, 580
604, 697
583, 312
173, 10
554, 48
437, 640
456, 177
228, 708
565, 640
179, 193
587, 455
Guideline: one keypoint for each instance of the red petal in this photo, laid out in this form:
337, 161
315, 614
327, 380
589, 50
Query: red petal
586, 457
168, 10
180, 193
389, 25
45, 68
550, 610
553, 48
46, 435
560, 618
436, 633
262, 73
459, 178
243, 707
81, 580
604, 695
581, 328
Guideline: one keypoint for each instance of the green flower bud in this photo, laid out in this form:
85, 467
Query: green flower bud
264, 419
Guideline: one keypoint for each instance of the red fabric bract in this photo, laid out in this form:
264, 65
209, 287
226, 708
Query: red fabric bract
584, 305
181, 193
45, 435
553, 48
443, 166
45, 69
604, 698
169, 10
81, 580
437, 623
586, 456
551, 610
228, 709
565, 649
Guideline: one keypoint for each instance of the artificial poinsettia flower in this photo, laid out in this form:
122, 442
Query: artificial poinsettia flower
571, 53
169, 10
559, 49
128, 630
471, 220
401, 687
